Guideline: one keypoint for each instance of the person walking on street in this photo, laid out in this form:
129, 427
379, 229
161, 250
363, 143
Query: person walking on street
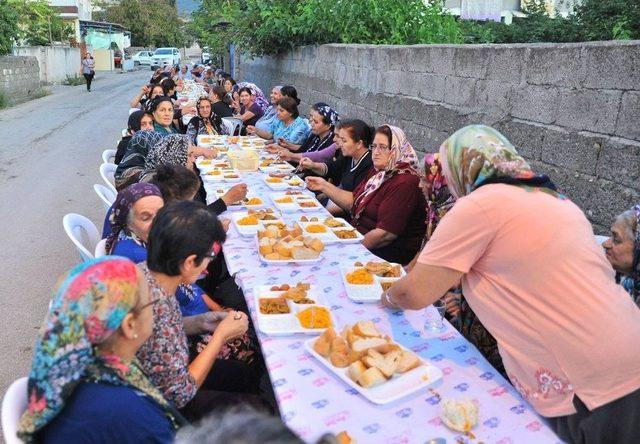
87, 69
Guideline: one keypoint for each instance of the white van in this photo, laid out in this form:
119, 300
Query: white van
165, 56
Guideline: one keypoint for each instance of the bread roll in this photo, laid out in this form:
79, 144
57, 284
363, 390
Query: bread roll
283, 250
322, 346
355, 370
408, 361
317, 245
366, 329
303, 253
371, 377
365, 344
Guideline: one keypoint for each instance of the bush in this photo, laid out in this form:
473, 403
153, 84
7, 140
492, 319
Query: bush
74, 81
4, 99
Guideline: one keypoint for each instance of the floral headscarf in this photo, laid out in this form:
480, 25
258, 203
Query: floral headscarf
327, 112
403, 160
632, 282
121, 207
88, 307
436, 193
477, 155
213, 123
135, 157
259, 99
170, 150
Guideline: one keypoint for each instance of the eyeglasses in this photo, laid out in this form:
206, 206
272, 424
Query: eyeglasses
148, 304
378, 147
215, 251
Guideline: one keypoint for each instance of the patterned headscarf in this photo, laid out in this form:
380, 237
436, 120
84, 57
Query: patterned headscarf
121, 207
436, 193
170, 150
632, 282
259, 99
327, 112
213, 120
477, 155
135, 157
403, 160
88, 307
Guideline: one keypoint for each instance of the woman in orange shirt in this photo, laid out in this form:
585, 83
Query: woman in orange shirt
534, 274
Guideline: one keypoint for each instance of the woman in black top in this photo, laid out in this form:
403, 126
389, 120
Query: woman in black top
351, 162
138, 121
218, 105
323, 120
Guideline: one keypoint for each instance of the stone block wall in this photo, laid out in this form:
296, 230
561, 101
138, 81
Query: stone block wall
571, 109
56, 62
19, 78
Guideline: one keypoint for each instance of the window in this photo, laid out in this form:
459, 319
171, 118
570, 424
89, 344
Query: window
163, 52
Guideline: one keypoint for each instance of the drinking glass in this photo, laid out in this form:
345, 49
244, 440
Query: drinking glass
435, 318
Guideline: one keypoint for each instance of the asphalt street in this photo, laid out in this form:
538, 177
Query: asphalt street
50, 152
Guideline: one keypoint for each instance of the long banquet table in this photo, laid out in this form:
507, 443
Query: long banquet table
313, 401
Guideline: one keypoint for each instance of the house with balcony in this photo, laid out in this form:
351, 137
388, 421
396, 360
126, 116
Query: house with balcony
73, 11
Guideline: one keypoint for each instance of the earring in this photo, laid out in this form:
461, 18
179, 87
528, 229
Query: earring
135, 336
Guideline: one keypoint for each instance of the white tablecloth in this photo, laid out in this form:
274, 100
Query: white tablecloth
313, 401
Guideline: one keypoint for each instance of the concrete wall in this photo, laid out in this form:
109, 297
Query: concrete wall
56, 62
571, 109
19, 78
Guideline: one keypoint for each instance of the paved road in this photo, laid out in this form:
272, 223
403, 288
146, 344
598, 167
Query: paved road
50, 151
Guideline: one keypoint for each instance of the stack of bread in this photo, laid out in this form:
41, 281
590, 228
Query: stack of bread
276, 243
370, 358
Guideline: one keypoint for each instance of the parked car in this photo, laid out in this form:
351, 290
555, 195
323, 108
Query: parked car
206, 55
142, 58
165, 56
117, 58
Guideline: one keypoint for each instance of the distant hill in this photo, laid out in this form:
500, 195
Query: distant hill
187, 6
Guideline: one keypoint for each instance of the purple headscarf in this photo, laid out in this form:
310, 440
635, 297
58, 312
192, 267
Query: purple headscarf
260, 99
123, 204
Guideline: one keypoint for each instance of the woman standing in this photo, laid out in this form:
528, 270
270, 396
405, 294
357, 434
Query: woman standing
535, 276
87, 69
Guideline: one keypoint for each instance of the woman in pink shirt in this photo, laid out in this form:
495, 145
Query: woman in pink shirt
537, 279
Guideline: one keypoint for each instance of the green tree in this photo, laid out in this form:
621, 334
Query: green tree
151, 22
8, 27
39, 23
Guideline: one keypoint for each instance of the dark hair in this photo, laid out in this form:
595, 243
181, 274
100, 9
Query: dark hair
176, 182
386, 131
358, 130
229, 78
179, 230
290, 91
155, 85
219, 91
167, 85
290, 105
157, 101
245, 89
135, 119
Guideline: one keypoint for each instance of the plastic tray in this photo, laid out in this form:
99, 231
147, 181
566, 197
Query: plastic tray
294, 206
283, 186
248, 230
287, 261
329, 237
364, 293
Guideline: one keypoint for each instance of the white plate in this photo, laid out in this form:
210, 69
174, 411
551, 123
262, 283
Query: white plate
216, 194
285, 324
282, 186
286, 261
398, 387
248, 230
221, 178
329, 237
278, 168
364, 293
294, 206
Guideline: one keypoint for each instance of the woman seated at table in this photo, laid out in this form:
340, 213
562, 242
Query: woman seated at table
175, 149
230, 87
540, 283
146, 95
184, 238
85, 383
218, 104
138, 121
352, 161
135, 158
163, 116
323, 120
387, 206
249, 111
205, 122
257, 94
623, 251
269, 116
289, 131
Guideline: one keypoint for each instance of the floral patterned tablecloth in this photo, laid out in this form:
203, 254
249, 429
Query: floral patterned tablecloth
313, 401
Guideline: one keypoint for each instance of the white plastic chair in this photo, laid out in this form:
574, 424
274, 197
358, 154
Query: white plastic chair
14, 404
231, 125
125, 132
108, 156
80, 229
106, 195
101, 248
133, 110
108, 172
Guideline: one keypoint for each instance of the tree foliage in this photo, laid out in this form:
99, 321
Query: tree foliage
38, 23
8, 27
151, 22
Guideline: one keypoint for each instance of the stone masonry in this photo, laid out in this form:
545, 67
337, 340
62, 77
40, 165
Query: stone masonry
19, 78
571, 109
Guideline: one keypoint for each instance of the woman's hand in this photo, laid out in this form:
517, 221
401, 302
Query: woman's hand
232, 326
251, 129
235, 194
306, 164
207, 153
272, 148
316, 183
287, 155
285, 144
225, 223
454, 303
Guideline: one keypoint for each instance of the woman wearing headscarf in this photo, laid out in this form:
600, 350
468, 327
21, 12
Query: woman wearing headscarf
258, 96
323, 120
264, 123
138, 121
535, 276
175, 149
135, 157
86, 384
387, 207
205, 122
623, 251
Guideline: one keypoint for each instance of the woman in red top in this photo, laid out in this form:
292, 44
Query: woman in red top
387, 206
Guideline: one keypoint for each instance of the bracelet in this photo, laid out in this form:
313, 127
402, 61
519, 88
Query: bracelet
387, 297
